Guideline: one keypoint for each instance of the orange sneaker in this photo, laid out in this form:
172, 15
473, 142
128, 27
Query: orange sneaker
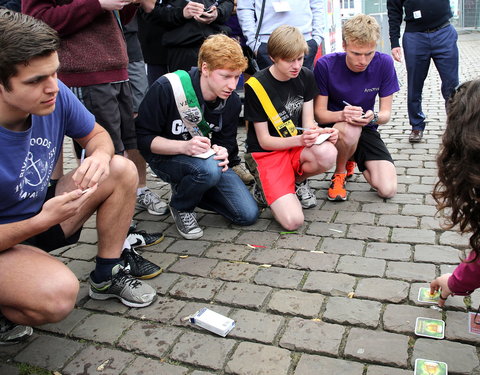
337, 191
350, 168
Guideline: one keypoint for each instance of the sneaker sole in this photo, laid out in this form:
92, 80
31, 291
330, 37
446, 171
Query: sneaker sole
103, 297
308, 206
25, 335
151, 212
191, 236
150, 244
150, 276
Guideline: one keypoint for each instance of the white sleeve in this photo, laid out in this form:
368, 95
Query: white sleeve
247, 21
318, 26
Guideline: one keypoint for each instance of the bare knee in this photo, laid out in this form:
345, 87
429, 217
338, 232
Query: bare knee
123, 171
326, 155
291, 221
349, 135
387, 191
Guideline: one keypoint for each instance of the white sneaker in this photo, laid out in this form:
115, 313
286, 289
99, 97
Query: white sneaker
151, 202
305, 195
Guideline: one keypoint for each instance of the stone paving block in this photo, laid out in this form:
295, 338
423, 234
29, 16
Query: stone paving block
9, 369
367, 232
420, 188
102, 328
364, 196
383, 370
388, 251
275, 257
81, 252
213, 220
163, 310
260, 225
203, 350
232, 271
316, 365
48, 352
186, 247
436, 254
456, 328
402, 318
298, 242
256, 326
81, 268
365, 218
66, 325
413, 236
243, 295
257, 238
352, 311
361, 266
220, 234
398, 221
349, 205
195, 287
163, 282
407, 199
418, 210
312, 336
146, 366
430, 223
381, 208
110, 306
152, 339
422, 172
342, 246
228, 252
394, 291
334, 284
194, 266
455, 302
460, 358
202, 373
292, 302
88, 236
327, 229
322, 215
279, 277
377, 347
454, 239
256, 359
410, 271
96, 359
314, 261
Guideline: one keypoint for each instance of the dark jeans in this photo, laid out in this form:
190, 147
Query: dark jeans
201, 183
264, 61
419, 48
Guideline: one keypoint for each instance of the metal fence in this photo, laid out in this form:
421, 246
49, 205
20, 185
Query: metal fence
467, 15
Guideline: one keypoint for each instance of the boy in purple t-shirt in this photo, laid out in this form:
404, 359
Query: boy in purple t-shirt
349, 83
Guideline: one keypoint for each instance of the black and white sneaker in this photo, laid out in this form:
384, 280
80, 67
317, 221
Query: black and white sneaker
140, 267
11, 333
123, 286
143, 239
186, 223
305, 194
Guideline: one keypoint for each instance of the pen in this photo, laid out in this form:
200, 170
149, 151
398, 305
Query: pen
82, 157
344, 102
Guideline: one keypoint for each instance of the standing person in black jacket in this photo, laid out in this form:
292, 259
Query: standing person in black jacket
428, 35
187, 131
187, 24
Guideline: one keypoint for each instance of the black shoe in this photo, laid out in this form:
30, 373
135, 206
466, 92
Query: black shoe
143, 239
187, 224
415, 136
11, 333
139, 266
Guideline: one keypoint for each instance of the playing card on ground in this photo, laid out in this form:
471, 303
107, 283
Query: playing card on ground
434, 328
425, 296
429, 367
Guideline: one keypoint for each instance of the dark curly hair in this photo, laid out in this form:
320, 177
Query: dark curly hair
458, 163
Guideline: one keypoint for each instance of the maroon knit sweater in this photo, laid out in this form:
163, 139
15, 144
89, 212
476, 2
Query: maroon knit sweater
92, 49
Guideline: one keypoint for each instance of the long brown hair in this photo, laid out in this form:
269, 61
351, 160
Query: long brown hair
458, 163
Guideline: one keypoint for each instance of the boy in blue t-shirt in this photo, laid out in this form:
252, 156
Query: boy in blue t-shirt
349, 83
38, 214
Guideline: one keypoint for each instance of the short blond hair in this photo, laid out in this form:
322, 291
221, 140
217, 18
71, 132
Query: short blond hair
221, 52
361, 29
286, 42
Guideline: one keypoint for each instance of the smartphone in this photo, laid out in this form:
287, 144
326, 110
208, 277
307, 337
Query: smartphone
209, 9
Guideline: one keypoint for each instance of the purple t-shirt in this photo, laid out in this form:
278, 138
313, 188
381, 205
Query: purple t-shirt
339, 83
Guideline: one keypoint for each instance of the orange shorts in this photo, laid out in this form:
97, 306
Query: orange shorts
275, 171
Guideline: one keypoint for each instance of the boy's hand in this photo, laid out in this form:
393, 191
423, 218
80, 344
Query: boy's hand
334, 137
93, 170
309, 136
196, 145
441, 283
221, 154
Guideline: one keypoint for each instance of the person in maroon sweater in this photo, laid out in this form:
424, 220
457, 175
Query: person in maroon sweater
93, 63
458, 187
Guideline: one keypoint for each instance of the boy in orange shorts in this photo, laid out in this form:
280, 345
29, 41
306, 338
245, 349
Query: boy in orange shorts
284, 145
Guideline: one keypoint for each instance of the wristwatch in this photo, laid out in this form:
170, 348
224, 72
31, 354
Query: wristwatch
375, 118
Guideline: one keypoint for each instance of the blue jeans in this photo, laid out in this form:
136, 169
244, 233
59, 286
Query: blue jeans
419, 48
264, 60
201, 183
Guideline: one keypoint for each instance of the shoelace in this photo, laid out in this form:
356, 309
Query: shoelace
188, 219
337, 178
304, 191
124, 277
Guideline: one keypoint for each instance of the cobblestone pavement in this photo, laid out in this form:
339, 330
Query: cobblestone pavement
290, 300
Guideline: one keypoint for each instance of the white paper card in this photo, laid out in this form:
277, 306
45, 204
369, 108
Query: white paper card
281, 6
205, 155
417, 14
322, 138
